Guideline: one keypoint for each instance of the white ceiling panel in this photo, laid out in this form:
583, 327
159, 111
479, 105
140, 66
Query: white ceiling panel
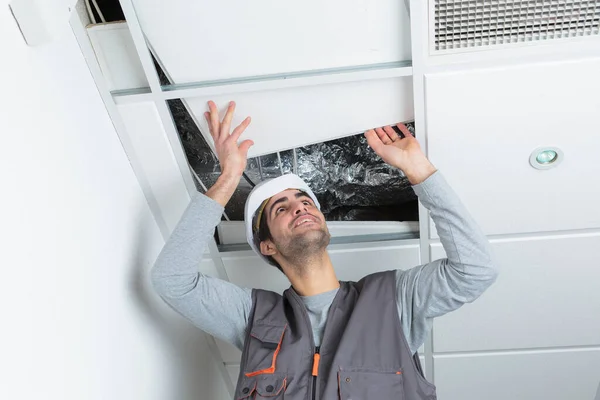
155, 158
207, 40
351, 262
287, 118
484, 124
116, 55
546, 295
559, 375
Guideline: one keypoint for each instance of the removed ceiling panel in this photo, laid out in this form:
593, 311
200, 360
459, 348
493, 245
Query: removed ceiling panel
287, 118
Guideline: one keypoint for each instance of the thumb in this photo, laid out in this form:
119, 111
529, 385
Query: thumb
245, 146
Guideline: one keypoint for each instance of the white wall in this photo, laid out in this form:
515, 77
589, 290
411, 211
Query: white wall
77, 237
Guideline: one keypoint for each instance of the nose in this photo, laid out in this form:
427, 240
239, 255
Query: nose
299, 207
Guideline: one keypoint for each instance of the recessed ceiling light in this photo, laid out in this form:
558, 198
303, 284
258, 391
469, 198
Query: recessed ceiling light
546, 157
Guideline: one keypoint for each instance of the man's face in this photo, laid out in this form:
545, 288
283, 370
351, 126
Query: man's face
295, 223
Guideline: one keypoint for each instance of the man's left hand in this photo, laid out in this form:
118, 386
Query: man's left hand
403, 153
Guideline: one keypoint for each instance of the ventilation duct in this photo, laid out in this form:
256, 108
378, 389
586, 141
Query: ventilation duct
461, 24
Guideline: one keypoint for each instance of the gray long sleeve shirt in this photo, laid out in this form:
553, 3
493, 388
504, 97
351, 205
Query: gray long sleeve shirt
222, 309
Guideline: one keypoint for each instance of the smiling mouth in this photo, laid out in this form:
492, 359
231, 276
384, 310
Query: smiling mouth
304, 221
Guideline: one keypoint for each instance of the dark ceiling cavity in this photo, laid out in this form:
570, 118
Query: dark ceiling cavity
111, 10
349, 179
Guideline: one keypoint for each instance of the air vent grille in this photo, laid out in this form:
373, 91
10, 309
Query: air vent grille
461, 24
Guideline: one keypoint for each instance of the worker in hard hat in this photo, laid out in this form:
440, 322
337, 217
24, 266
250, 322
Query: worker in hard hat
322, 338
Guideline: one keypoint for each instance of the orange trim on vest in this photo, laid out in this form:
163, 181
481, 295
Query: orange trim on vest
271, 369
398, 373
316, 360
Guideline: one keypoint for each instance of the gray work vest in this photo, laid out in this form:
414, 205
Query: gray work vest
363, 354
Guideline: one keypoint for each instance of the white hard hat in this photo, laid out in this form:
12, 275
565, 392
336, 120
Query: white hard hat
259, 197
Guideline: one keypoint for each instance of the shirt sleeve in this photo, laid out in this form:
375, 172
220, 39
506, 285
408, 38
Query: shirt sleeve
444, 285
218, 307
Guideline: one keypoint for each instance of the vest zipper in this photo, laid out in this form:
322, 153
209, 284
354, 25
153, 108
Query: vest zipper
302, 307
310, 334
314, 385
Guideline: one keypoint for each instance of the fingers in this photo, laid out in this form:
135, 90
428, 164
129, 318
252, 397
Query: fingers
245, 146
226, 124
212, 117
237, 132
383, 136
373, 140
405, 131
391, 133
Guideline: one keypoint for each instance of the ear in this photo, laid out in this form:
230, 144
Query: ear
267, 248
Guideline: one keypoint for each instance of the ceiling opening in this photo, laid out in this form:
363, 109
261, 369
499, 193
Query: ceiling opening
100, 11
351, 182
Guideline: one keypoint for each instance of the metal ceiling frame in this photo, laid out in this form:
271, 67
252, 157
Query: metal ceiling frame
265, 82
419, 50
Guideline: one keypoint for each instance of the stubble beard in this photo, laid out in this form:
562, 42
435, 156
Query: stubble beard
301, 249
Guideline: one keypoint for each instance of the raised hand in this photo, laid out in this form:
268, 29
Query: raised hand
403, 153
232, 156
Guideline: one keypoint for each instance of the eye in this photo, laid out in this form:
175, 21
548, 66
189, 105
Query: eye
306, 203
279, 209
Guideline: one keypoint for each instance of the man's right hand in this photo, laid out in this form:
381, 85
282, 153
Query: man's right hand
232, 157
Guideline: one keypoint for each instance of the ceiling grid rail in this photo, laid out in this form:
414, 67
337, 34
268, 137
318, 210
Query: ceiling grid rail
266, 82
419, 50
145, 57
166, 118
87, 50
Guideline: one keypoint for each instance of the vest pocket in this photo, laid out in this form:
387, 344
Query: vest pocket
370, 384
263, 387
264, 346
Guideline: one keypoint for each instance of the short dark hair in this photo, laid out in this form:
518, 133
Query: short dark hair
264, 233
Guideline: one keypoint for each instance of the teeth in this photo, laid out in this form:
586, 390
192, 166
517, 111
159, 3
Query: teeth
303, 221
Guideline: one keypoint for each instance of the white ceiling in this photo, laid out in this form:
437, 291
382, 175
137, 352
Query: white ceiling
204, 41
479, 114
499, 116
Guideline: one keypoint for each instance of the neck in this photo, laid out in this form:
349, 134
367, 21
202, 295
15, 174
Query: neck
312, 274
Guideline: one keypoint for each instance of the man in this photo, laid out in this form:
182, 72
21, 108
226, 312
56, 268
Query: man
323, 339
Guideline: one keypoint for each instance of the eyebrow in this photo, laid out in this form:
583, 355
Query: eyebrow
284, 199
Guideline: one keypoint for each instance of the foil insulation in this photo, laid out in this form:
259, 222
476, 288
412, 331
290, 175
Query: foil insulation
351, 182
